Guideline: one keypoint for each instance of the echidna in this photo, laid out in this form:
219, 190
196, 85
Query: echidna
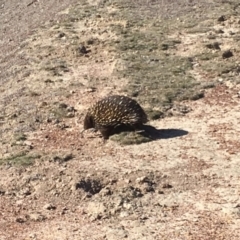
114, 111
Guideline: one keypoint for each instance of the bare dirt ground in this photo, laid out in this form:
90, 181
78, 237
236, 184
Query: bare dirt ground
59, 184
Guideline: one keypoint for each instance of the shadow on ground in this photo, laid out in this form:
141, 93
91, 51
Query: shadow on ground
126, 135
155, 134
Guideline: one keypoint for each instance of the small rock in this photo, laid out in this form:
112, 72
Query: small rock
28, 143
143, 218
2, 192
123, 214
62, 126
91, 90
49, 120
90, 41
67, 157
35, 177
82, 49
49, 206
70, 109
70, 115
61, 35
32, 235
64, 210
127, 181
43, 104
30, 147
20, 220
221, 19
26, 74
219, 31
148, 188
227, 54
19, 203
96, 210
105, 192
64, 158
36, 217
26, 191
48, 81
14, 115
112, 181
167, 185
63, 105
214, 45
127, 206
141, 179
164, 46
55, 121
119, 201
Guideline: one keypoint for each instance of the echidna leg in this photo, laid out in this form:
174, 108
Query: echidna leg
106, 132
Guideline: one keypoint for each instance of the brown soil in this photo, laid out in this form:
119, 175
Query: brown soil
57, 183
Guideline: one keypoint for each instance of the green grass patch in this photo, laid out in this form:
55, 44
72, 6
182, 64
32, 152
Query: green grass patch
59, 111
147, 47
55, 66
157, 76
20, 137
154, 114
130, 138
220, 68
20, 159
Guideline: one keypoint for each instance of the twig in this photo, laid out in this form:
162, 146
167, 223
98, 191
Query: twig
32, 2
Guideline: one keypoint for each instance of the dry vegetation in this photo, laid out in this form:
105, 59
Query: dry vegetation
177, 180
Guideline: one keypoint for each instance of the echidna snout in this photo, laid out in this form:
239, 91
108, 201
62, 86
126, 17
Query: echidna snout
88, 122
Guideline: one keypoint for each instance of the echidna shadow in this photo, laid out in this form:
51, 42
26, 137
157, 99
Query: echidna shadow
156, 134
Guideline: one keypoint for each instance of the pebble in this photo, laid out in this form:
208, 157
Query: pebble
49, 206
35, 217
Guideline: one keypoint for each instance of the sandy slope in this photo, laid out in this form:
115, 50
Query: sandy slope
183, 185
